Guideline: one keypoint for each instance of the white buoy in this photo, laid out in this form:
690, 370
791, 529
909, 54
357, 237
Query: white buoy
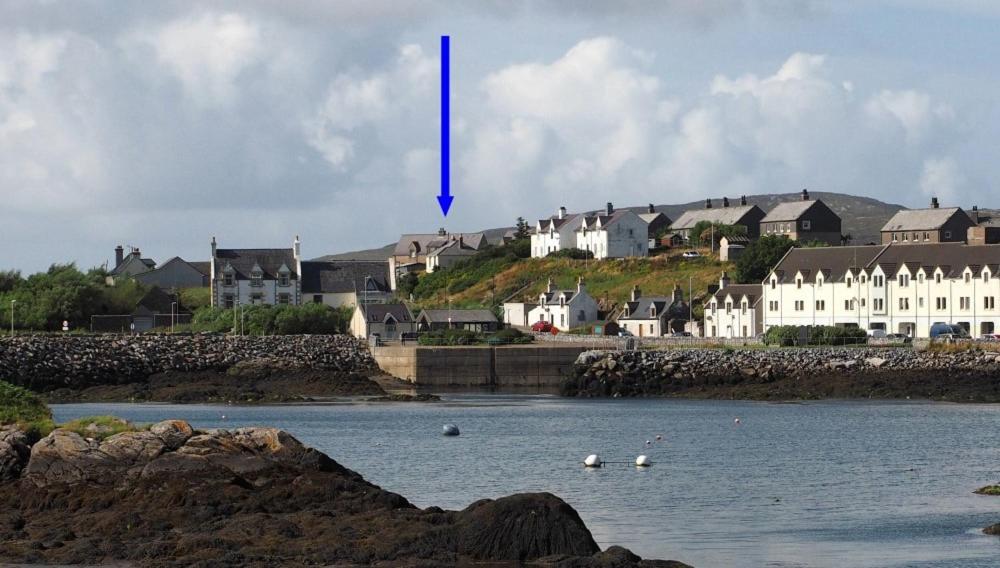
450, 430
648, 443
643, 461
659, 438
593, 460
736, 421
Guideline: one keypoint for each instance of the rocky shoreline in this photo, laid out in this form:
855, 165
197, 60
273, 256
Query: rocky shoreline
788, 374
170, 495
189, 368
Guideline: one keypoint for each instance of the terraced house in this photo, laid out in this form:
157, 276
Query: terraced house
256, 276
734, 310
613, 234
895, 288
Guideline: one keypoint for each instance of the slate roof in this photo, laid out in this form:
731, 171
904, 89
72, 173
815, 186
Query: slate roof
555, 222
156, 301
429, 242
378, 312
719, 215
639, 309
920, 219
597, 222
457, 316
837, 260
453, 248
788, 211
148, 262
650, 217
203, 266
752, 291
553, 296
344, 276
243, 261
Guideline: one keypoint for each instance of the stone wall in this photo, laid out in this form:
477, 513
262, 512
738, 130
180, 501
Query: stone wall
45, 362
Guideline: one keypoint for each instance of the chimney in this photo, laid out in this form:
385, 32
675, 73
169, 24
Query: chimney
550, 286
561, 213
975, 214
461, 241
743, 200
610, 208
119, 255
580, 285
725, 202
724, 281
213, 247
297, 255
677, 295
651, 209
442, 232
805, 195
636, 293
708, 203
934, 203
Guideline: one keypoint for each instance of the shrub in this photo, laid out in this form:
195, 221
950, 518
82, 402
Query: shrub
573, 253
20, 406
450, 337
99, 427
785, 335
511, 336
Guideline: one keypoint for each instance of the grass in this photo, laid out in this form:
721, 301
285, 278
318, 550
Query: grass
989, 490
100, 427
22, 407
611, 280
961, 347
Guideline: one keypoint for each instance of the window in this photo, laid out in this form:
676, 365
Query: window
798, 283
284, 280
284, 299
864, 302
920, 302
651, 329
227, 279
317, 298
714, 307
906, 237
904, 280
989, 303
228, 301
937, 278
806, 225
849, 282
729, 307
894, 239
927, 236
772, 306
864, 279
847, 304
947, 234
562, 319
920, 278
964, 303
878, 304
800, 305
774, 283
820, 305
256, 298
904, 303
256, 278
941, 303
390, 326
968, 277
743, 308
581, 316
819, 282
878, 281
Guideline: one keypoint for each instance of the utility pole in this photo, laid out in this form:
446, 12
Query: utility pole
691, 303
173, 318
12, 302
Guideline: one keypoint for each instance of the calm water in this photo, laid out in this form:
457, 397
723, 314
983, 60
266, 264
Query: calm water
823, 484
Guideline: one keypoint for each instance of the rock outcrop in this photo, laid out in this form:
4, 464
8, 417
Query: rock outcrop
792, 373
14, 452
174, 496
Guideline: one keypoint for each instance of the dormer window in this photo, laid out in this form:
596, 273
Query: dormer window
937, 278
227, 279
798, 283
652, 311
774, 283
256, 278
284, 276
849, 282
968, 277
743, 308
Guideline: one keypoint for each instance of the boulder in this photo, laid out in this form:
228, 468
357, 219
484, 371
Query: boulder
14, 452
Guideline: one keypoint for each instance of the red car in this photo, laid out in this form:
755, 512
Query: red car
542, 327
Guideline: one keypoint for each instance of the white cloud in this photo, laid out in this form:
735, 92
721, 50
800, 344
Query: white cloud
915, 112
942, 178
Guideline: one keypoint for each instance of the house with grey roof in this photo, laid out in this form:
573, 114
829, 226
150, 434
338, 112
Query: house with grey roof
744, 215
127, 266
256, 276
388, 321
452, 251
932, 225
339, 283
613, 234
411, 250
657, 224
564, 309
654, 316
734, 310
556, 233
176, 274
472, 320
806, 220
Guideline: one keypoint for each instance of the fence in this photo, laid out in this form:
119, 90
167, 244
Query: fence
135, 324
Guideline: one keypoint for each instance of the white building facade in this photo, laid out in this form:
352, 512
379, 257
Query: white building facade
734, 311
614, 234
555, 233
894, 288
564, 309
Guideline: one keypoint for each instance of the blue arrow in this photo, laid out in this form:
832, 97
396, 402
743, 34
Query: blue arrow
445, 198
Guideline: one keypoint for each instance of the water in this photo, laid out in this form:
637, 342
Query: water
820, 484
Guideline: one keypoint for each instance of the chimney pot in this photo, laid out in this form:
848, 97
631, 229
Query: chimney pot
708, 203
805, 195
610, 208
442, 232
561, 213
725, 202
934, 203
651, 209
636, 293
119, 255
724, 281
743, 200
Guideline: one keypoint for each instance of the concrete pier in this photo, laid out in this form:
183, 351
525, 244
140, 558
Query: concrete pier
515, 366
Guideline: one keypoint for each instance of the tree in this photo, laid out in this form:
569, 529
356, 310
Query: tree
704, 231
407, 284
760, 256
523, 230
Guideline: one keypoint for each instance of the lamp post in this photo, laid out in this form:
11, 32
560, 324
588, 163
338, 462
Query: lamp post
173, 319
12, 302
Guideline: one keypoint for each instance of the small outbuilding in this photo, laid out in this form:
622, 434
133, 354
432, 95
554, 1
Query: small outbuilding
472, 320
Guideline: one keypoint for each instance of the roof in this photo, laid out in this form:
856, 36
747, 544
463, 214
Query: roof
344, 276
836, 260
157, 301
718, 215
243, 261
751, 291
453, 248
457, 316
921, 219
203, 266
147, 262
555, 222
737, 240
639, 309
597, 222
549, 296
429, 242
379, 312
788, 211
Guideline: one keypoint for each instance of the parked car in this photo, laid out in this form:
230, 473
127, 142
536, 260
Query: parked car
899, 337
877, 334
991, 337
681, 334
625, 333
952, 331
542, 327
691, 254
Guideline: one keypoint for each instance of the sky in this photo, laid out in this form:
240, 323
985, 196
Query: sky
160, 125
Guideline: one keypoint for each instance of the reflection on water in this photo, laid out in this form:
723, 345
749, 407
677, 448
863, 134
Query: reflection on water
825, 484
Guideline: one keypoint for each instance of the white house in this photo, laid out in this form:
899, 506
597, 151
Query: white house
613, 234
564, 309
896, 288
516, 313
555, 233
388, 321
734, 310
337, 283
654, 316
256, 276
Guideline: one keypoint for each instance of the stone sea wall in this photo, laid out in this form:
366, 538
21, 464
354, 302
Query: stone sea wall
789, 373
45, 362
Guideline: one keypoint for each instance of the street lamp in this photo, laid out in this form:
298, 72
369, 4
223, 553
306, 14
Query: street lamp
12, 302
173, 319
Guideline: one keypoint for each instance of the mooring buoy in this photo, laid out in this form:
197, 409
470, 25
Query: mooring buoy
450, 430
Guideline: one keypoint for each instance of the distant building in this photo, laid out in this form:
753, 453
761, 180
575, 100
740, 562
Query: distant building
411, 251
613, 234
656, 224
564, 309
923, 226
654, 316
449, 253
805, 220
128, 266
339, 283
987, 229
748, 216
156, 309
734, 310
555, 233
388, 321
472, 320
176, 274
256, 276
516, 313
730, 248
